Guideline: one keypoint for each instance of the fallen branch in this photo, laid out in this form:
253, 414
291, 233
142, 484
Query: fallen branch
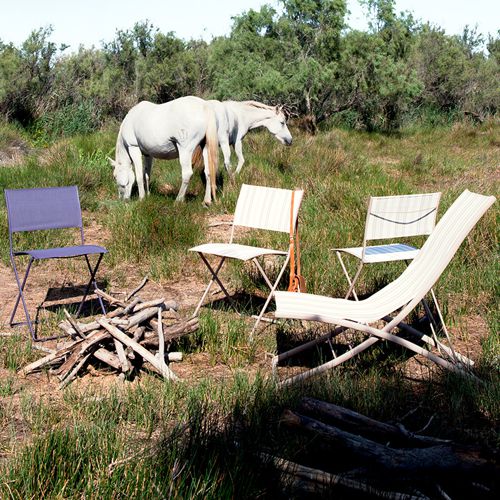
432, 461
161, 368
137, 289
326, 480
368, 427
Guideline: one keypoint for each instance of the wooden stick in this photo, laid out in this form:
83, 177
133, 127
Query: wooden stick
124, 362
161, 368
92, 339
73, 323
327, 479
69, 378
51, 358
142, 316
135, 290
109, 298
432, 461
131, 305
368, 427
119, 311
171, 332
149, 303
108, 357
161, 338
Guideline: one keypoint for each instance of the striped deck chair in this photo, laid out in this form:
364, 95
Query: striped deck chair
391, 217
258, 207
393, 303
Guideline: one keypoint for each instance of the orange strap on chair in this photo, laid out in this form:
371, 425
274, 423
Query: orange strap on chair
297, 282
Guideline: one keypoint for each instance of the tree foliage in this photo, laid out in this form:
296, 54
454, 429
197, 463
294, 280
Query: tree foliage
300, 53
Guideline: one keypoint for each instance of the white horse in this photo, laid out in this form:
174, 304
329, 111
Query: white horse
235, 119
171, 130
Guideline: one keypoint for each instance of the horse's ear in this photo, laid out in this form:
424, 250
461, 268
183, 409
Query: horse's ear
113, 162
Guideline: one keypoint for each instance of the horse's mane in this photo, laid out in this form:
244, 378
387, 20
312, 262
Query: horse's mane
259, 105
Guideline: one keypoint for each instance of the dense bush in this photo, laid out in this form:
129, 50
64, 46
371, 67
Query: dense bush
303, 55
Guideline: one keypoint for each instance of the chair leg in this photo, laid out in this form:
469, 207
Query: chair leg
331, 364
271, 293
215, 278
91, 282
349, 281
20, 297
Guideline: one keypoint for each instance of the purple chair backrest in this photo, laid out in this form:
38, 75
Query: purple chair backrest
43, 208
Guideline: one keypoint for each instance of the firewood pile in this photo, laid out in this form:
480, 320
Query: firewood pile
353, 455
135, 334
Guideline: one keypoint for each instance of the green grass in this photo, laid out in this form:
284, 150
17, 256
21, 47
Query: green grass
200, 439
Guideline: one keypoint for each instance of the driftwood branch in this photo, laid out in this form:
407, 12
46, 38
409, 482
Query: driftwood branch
137, 289
323, 481
396, 435
161, 368
433, 461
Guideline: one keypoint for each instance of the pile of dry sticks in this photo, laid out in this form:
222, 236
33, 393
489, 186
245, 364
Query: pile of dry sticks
134, 334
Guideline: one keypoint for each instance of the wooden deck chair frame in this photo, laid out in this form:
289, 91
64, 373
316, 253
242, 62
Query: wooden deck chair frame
393, 303
40, 209
257, 207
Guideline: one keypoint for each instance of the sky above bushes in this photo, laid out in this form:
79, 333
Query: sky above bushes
89, 22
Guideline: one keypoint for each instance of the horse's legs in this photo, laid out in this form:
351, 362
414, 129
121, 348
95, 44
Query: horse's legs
208, 188
148, 164
239, 153
226, 152
136, 155
185, 156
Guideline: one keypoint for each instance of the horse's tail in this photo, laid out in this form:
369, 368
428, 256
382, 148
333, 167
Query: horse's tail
212, 145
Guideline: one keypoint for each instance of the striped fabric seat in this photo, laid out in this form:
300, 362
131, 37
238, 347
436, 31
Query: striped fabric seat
235, 251
383, 253
396, 301
258, 207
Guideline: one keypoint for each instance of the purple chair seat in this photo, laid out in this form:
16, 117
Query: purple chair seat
63, 252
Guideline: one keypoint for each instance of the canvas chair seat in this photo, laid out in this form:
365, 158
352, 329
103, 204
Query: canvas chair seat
393, 303
257, 207
382, 253
63, 252
235, 250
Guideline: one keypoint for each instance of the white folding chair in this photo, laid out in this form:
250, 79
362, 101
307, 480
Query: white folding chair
258, 207
391, 217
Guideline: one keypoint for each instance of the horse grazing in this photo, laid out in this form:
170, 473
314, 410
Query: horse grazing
170, 130
235, 119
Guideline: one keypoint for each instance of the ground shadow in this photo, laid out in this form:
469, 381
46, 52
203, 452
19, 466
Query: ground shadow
242, 302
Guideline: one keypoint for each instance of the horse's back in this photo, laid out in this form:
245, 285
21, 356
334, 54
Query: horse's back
157, 128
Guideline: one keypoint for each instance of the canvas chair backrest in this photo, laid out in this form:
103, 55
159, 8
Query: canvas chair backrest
401, 216
436, 253
262, 207
43, 208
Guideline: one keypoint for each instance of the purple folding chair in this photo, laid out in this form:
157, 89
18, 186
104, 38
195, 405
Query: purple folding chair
42, 209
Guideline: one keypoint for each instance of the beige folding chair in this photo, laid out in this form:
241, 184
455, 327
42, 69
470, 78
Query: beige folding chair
258, 207
391, 217
398, 298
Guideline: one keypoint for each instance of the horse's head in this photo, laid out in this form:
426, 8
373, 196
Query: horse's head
276, 124
124, 177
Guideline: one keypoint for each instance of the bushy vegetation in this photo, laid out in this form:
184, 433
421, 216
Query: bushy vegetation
303, 55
